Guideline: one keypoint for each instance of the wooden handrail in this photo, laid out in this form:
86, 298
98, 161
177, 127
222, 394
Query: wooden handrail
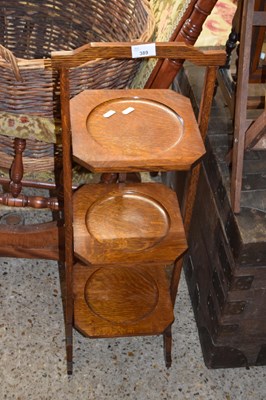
122, 50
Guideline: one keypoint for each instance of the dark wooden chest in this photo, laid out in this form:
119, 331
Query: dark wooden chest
225, 267
226, 276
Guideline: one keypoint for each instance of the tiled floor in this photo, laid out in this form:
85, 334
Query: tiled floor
32, 353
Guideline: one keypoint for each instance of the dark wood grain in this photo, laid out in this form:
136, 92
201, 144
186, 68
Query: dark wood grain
226, 279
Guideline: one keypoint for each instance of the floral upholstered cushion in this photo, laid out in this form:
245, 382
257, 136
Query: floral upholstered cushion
218, 25
27, 127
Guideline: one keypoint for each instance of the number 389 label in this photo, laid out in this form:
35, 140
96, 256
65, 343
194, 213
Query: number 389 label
143, 50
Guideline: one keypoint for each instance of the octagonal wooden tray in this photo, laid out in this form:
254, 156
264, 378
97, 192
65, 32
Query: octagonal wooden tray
128, 223
134, 130
121, 300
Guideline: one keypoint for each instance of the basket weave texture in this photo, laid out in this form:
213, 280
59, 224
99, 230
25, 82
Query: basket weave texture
31, 30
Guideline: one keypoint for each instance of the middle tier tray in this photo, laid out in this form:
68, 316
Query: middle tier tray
127, 223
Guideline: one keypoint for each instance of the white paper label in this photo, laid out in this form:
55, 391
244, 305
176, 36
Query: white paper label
128, 110
108, 113
143, 50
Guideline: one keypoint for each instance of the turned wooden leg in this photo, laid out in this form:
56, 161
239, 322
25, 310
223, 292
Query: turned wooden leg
167, 341
166, 70
109, 178
230, 46
114, 178
16, 173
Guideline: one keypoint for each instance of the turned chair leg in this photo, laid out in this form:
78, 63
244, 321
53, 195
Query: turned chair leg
167, 341
15, 185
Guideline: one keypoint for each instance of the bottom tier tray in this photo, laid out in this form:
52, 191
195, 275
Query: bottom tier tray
111, 301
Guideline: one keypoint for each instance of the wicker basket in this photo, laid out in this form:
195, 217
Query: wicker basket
30, 30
